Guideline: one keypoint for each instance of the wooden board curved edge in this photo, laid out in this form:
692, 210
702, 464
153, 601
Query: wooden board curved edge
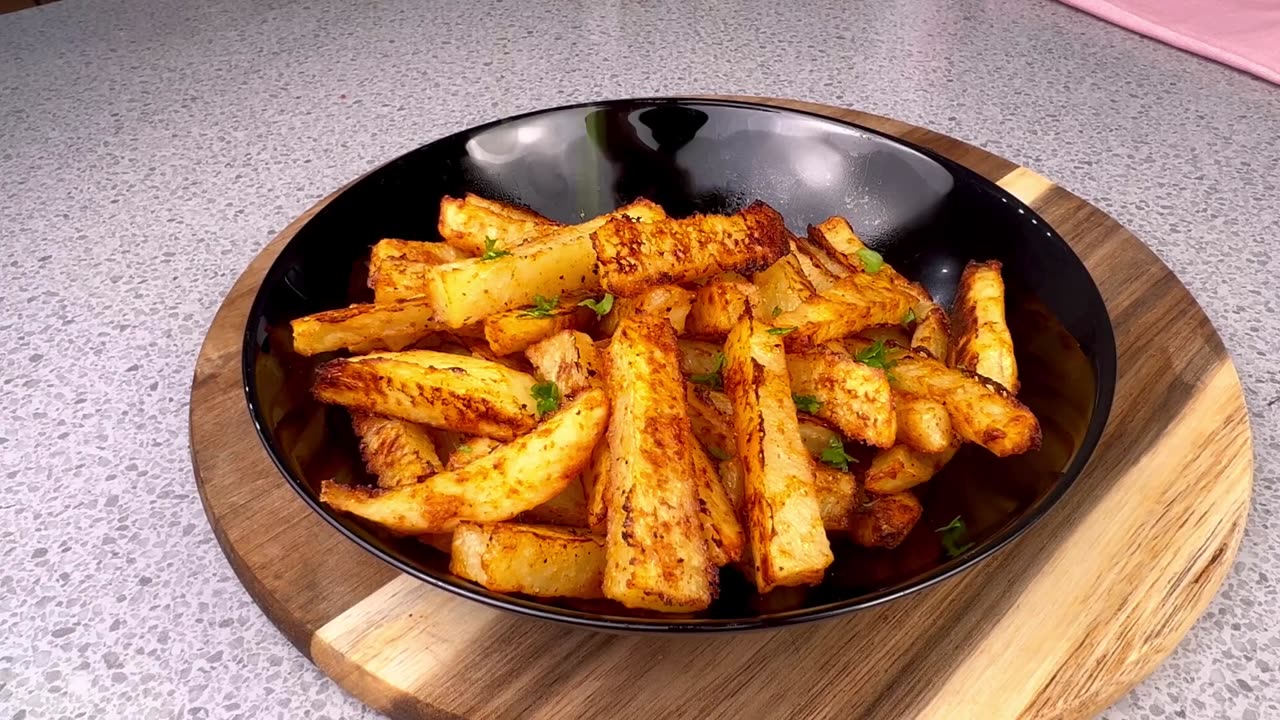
374, 663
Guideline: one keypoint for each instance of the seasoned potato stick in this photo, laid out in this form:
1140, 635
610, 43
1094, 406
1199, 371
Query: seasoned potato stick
529, 559
923, 424
887, 521
655, 554
980, 339
841, 243
635, 256
788, 544
855, 303
819, 266
569, 359
408, 253
718, 304
393, 326
569, 508
852, 396
712, 426
516, 477
670, 300
900, 468
470, 449
515, 330
442, 390
837, 497
932, 331
397, 452
733, 478
782, 286
720, 526
982, 411
595, 483
469, 223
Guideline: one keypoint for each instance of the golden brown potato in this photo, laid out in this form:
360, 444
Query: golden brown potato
855, 303
405, 255
718, 304
982, 411
980, 339
569, 359
784, 521
595, 483
469, 222
670, 300
816, 435
734, 481
636, 256
855, 398
569, 508
720, 526
701, 358
393, 326
442, 390
516, 477
887, 521
399, 278
932, 330
815, 271
782, 286
923, 424
515, 330
396, 452
655, 553
900, 468
530, 559
840, 243
469, 449
712, 425
838, 500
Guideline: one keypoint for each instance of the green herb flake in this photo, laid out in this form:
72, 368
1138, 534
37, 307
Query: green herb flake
601, 306
491, 251
464, 448
715, 378
874, 356
777, 310
908, 317
835, 456
718, 453
871, 260
547, 395
954, 535
807, 403
542, 307
782, 330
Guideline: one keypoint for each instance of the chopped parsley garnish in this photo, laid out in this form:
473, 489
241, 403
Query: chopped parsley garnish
871, 260
718, 453
601, 306
542, 307
782, 330
714, 378
835, 456
908, 317
954, 535
547, 395
464, 448
777, 310
874, 356
807, 403
491, 251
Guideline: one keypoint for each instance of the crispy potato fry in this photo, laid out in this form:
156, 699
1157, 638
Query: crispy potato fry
516, 477
398, 278
655, 553
980, 338
635, 256
393, 326
900, 468
923, 424
839, 242
852, 396
932, 331
816, 271
468, 222
595, 483
670, 300
718, 304
712, 425
855, 303
515, 330
838, 500
408, 252
453, 392
397, 452
569, 359
531, 559
782, 286
720, 526
470, 449
788, 545
887, 521
982, 411
698, 357
569, 508
734, 480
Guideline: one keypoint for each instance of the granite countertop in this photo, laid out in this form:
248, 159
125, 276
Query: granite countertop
149, 149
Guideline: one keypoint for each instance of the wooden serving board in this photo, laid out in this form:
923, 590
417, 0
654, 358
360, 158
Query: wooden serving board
1059, 624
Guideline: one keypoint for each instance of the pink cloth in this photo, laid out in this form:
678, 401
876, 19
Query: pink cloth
1244, 34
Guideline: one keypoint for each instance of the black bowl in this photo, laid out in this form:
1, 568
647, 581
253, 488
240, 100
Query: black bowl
926, 214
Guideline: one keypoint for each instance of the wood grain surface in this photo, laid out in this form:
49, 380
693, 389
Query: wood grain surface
1059, 624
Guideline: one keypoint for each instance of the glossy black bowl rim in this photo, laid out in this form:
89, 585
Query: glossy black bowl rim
1104, 364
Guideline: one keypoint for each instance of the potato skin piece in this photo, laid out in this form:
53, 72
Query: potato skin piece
788, 545
980, 338
395, 451
441, 390
535, 560
655, 553
391, 326
886, 523
515, 477
635, 256
900, 468
854, 397
923, 424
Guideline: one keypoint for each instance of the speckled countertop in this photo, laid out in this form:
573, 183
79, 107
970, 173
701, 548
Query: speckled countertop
149, 149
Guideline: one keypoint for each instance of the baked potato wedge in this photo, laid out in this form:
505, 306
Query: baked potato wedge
595, 484
853, 397
857, 302
718, 304
404, 255
838, 500
513, 331
901, 468
784, 520
887, 521
720, 525
932, 331
923, 423
516, 477
472, 221
396, 452
980, 338
701, 358
635, 256
442, 390
782, 286
469, 449
392, 326
816, 271
569, 359
656, 555
712, 424
569, 508
672, 301
529, 559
